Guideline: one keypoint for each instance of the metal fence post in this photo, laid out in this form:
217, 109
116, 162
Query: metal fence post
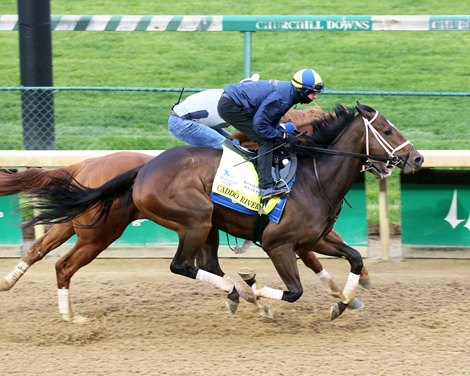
247, 55
35, 43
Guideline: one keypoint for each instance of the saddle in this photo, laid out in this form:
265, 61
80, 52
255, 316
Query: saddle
284, 162
235, 184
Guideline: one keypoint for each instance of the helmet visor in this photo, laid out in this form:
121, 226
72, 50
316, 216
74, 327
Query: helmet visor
319, 87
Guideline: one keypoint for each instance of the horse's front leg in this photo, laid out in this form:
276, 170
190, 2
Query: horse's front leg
285, 262
334, 246
335, 237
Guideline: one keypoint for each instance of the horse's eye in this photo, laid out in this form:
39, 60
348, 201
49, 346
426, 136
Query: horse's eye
388, 132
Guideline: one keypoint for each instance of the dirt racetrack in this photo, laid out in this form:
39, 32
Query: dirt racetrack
147, 321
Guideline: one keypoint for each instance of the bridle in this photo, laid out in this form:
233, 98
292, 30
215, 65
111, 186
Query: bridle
392, 159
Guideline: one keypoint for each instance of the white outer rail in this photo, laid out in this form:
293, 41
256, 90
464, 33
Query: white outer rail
58, 158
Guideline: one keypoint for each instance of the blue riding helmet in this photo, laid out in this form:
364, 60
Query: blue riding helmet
307, 81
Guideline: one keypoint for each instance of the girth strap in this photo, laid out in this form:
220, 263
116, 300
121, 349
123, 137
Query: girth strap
260, 224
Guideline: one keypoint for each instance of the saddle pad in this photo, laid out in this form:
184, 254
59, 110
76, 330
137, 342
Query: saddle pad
235, 186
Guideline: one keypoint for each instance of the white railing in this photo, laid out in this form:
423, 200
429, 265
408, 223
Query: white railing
58, 158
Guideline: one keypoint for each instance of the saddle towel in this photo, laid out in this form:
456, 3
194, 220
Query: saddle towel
236, 186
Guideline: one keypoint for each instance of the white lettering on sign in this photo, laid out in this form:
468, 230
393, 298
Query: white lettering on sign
347, 25
313, 25
450, 25
289, 25
2, 214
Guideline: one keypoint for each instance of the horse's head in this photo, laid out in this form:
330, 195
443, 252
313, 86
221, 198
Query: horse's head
386, 146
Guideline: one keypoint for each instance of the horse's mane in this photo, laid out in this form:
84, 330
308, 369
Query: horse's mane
302, 118
324, 129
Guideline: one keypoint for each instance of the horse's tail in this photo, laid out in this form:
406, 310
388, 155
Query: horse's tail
30, 179
65, 198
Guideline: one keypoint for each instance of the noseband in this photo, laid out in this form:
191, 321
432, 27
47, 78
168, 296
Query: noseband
392, 159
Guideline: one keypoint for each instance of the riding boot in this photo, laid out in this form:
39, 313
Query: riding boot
265, 161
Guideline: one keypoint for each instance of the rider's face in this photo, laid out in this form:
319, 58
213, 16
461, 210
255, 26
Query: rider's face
313, 95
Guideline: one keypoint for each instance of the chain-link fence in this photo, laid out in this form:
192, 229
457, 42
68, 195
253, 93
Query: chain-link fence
86, 119
116, 118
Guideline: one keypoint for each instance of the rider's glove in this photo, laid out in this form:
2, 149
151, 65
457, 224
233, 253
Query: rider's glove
289, 127
289, 139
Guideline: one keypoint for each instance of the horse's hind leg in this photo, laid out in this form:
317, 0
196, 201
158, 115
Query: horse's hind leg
190, 242
207, 259
53, 238
90, 243
311, 261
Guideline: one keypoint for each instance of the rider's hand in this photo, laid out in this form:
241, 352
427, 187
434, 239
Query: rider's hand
289, 139
290, 127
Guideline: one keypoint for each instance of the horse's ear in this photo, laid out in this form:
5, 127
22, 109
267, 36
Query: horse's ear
359, 108
364, 109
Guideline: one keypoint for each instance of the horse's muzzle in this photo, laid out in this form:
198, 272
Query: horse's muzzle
413, 162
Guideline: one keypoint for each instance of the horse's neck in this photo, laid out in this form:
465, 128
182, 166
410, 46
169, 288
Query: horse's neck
303, 118
338, 173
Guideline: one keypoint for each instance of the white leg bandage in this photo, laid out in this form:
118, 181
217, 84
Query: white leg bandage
65, 308
323, 274
220, 282
350, 288
16, 273
330, 285
267, 292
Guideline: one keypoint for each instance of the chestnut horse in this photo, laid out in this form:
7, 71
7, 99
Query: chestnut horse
173, 190
91, 242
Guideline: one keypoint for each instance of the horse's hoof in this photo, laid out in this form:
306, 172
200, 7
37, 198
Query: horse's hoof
336, 310
77, 319
365, 283
232, 306
246, 274
245, 291
4, 285
355, 304
265, 311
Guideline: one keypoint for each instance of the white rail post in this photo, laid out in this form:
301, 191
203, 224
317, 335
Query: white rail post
383, 220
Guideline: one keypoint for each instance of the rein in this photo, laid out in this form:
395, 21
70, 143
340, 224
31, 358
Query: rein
391, 159
346, 153
321, 185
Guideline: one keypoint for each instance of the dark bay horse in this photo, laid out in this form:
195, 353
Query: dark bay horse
173, 190
92, 241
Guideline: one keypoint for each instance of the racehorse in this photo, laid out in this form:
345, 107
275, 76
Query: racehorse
91, 242
173, 190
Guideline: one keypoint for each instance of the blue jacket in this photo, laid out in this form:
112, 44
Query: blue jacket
267, 101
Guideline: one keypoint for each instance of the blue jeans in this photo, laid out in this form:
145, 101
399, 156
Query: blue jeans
195, 133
